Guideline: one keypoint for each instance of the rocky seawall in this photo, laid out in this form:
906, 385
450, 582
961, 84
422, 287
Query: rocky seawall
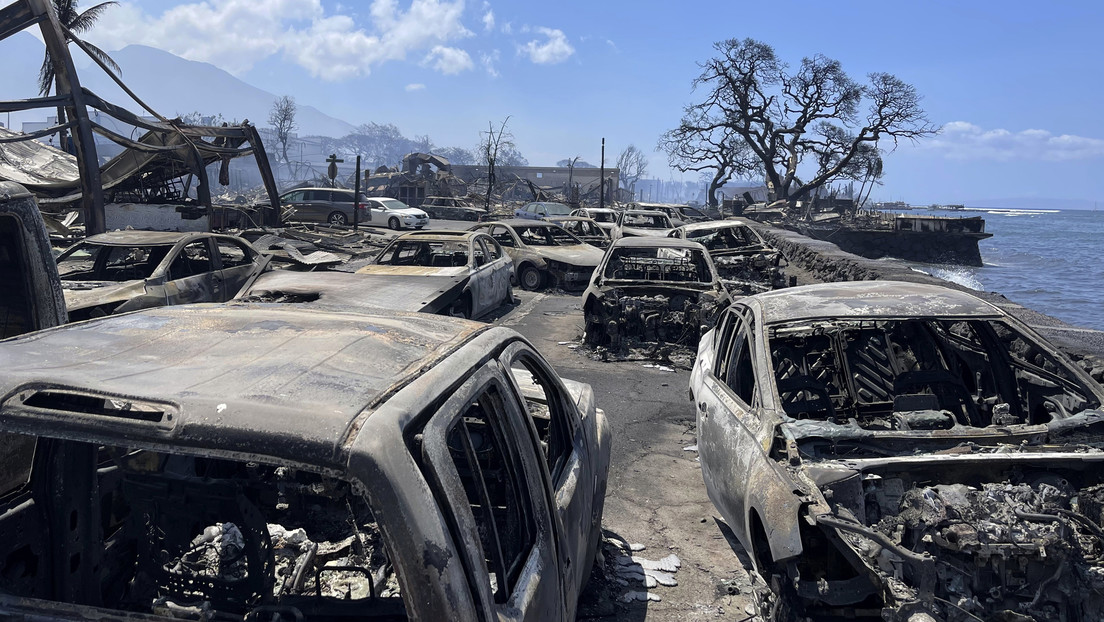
825, 262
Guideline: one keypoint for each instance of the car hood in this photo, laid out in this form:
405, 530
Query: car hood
85, 294
575, 255
408, 211
635, 288
657, 233
413, 271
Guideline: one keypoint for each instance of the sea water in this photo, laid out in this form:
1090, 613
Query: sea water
1049, 261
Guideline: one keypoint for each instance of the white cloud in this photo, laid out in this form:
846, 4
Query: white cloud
489, 62
237, 34
960, 140
488, 18
448, 60
508, 28
415, 87
554, 49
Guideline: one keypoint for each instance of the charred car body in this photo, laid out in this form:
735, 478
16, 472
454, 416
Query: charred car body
583, 228
385, 466
469, 271
653, 289
128, 270
743, 259
544, 253
903, 452
641, 223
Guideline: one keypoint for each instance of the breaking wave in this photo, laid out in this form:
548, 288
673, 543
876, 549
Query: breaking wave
955, 274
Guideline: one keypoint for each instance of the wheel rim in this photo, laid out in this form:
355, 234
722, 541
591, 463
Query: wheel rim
337, 218
530, 278
393, 223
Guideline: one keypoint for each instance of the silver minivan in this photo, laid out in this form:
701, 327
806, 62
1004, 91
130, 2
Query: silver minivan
329, 205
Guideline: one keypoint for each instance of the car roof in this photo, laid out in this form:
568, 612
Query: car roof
655, 242
439, 235
644, 212
544, 203
869, 299
238, 372
568, 219
713, 224
326, 189
131, 237
521, 222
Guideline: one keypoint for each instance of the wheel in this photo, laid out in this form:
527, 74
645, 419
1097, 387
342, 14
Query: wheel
337, 218
462, 307
531, 279
509, 294
393, 223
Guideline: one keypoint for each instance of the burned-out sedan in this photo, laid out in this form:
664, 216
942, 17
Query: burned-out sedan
653, 289
544, 253
127, 270
641, 223
902, 451
743, 258
278, 463
583, 228
466, 273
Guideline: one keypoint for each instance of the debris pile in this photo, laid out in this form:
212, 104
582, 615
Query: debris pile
1019, 549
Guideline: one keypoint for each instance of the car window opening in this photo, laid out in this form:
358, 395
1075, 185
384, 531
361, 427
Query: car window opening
920, 374
494, 485
426, 254
548, 415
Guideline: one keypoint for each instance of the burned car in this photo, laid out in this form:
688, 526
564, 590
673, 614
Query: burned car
544, 253
465, 273
635, 223
653, 289
277, 463
127, 270
743, 258
33, 298
583, 228
902, 451
605, 217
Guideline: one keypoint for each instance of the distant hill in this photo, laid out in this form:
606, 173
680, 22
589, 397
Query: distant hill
170, 84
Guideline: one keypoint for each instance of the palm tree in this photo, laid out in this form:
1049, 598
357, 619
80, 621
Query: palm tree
73, 23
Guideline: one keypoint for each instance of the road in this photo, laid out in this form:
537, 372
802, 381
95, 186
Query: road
656, 497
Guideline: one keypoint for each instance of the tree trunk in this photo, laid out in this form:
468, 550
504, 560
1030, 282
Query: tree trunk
714, 185
63, 136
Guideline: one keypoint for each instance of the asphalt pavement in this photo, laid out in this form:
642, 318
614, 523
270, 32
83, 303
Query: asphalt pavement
656, 497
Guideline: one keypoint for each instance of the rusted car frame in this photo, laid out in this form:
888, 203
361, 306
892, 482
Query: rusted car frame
655, 290
903, 452
285, 463
32, 298
128, 270
583, 228
639, 223
544, 253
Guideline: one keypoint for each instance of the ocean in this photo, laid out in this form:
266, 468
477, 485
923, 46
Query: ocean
1047, 261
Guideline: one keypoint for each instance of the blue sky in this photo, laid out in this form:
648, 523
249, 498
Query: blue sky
1016, 85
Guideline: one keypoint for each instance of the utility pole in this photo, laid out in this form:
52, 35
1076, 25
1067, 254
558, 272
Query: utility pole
602, 178
356, 197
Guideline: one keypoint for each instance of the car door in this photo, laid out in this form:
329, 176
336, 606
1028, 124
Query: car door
728, 421
484, 462
481, 285
292, 204
237, 262
565, 444
501, 268
192, 275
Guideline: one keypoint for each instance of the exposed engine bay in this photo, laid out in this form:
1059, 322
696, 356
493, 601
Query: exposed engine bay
621, 316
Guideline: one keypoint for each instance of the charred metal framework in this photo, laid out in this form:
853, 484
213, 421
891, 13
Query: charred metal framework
150, 167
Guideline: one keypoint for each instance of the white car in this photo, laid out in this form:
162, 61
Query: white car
394, 213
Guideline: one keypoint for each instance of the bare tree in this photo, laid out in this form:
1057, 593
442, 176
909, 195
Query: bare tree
716, 153
282, 118
493, 145
816, 118
632, 165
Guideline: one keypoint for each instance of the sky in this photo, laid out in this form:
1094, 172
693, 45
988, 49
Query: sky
1015, 85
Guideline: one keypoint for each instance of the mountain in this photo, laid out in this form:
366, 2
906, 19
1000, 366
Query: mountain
171, 85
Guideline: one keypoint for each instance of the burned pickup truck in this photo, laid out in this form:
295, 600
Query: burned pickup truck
652, 289
746, 263
276, 463
903, 452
